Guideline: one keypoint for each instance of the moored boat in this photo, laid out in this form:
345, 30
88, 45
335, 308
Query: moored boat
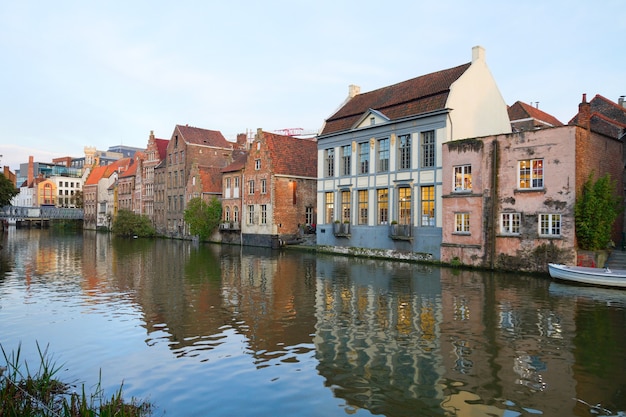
603, 277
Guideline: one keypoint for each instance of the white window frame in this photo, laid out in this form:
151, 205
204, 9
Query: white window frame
462, 223
462, 178
530, 174
550, 225
510, 223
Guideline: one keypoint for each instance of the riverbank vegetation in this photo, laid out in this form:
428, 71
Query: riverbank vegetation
131, 224
26, 391
202, 217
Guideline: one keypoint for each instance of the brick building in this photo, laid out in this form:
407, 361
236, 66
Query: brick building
279, 180
155, 153
188, 145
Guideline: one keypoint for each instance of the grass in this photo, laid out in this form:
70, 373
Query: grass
38, 392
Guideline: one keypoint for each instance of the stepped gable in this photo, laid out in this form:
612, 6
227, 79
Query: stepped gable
292, 156
162, 147
521, 111
199, 136
419, 95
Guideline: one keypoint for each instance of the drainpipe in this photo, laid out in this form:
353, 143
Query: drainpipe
494, 205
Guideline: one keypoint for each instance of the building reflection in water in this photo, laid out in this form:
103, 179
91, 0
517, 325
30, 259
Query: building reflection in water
390, 337
397, 338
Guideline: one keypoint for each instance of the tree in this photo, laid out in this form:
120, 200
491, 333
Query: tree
202, 217
127, 223
595, 212
7, 191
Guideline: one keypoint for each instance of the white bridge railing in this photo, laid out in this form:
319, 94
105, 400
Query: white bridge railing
43, 212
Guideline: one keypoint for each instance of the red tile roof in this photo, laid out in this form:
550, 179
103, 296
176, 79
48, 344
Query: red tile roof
198, 136
239, 161
408, 98
606, 117
292, 156
520, 110
95, 175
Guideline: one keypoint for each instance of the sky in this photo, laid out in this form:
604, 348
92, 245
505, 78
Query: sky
106, 73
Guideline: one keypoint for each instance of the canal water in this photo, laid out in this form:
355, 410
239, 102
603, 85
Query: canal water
208, 330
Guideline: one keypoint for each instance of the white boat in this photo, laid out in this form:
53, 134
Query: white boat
603, 277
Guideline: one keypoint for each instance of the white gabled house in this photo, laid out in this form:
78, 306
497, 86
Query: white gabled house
379, 157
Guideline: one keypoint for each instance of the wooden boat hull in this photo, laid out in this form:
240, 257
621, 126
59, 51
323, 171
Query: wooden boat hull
603, 277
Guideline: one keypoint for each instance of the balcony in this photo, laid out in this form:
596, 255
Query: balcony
229, 227
401, 232
341, 229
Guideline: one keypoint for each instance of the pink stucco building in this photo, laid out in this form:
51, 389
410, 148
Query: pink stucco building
508, 200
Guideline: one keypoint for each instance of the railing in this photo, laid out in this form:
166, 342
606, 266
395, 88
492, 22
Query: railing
226, 226
43, 212
341, 229
401, 231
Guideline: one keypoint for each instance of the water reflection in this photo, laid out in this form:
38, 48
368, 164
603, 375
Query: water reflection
315, 335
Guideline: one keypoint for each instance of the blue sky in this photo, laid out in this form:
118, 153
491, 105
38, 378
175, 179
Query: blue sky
77, 73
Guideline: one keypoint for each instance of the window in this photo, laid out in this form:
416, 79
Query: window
531, 173
330, 207
251, 187
364, 158
330, 162
236, 182
428, 205
345, 206
308, 215
263, 213
383, 155
550, 224
382, 202
235, 214
510, 223
463, 178
363, 206
250, 214
227, 214
263, 186
462, 222
257, 164
428, 149
404, 205
404, 152
346, 159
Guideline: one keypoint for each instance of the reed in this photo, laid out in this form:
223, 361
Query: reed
39, 392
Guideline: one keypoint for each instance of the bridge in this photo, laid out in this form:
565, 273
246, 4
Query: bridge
38, 215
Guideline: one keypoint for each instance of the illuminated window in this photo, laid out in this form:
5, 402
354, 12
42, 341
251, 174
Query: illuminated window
330, 207
462, 222
404, 205
530, 173
463, 178
363, 206
428, 205
382, 203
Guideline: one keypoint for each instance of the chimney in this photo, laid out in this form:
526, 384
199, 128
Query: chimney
353, 90
478, 52
31, 171
584, 113
620, 101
